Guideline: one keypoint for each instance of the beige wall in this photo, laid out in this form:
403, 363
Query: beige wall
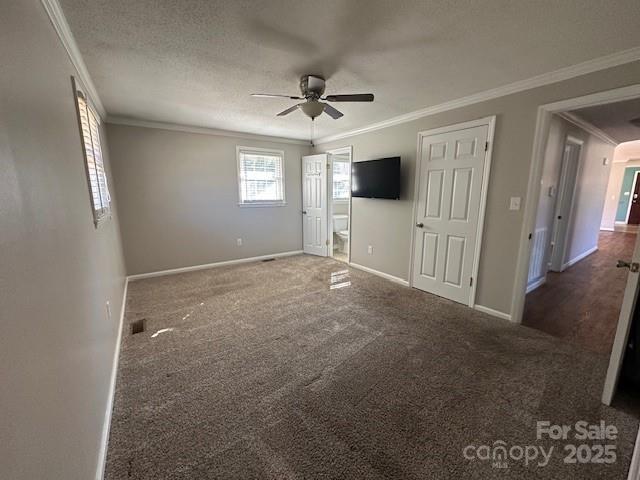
626, 155
590, 189
56, 270
387, 224
178, 197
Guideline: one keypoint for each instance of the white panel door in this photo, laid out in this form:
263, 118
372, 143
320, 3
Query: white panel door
314, 204
449, 193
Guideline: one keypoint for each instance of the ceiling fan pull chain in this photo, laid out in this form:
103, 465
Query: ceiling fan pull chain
313, 130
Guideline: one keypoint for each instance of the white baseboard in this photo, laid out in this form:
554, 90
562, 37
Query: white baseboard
102, 453
491, 311
205, 266
541, 281
392, 278
576, 259
608, 229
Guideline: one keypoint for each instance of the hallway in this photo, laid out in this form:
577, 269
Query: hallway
582, 304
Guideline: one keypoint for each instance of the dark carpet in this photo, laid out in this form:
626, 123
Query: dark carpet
269, 373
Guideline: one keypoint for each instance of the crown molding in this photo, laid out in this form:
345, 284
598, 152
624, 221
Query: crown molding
590, 66
588, 127
56, 15
132, 122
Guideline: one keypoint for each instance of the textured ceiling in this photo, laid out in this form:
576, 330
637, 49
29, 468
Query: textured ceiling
195, 62
613, 119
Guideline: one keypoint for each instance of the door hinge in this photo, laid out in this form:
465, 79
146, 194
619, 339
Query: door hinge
328, 166
486, 146
471, 282
327, 242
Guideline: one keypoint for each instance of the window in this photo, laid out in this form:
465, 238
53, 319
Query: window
260, 177
341, 180
96, 176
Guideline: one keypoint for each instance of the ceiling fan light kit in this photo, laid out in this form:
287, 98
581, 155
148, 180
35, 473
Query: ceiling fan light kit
312, 88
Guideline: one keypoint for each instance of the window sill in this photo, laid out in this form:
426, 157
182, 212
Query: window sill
263, 204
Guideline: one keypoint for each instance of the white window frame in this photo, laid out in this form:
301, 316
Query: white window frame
261, 203
101, 212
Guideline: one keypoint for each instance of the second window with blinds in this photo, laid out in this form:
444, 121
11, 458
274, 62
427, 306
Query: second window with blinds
89, 123
260, 177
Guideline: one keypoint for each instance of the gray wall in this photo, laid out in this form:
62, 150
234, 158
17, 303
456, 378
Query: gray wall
590, 191
387, 225
56, 269
178, 197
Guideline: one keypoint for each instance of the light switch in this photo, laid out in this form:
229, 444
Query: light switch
514, 204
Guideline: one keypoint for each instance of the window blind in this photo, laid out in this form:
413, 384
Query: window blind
341, 180
96, 175
261, 177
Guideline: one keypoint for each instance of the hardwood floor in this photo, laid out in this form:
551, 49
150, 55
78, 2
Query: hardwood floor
582, 304
626, 228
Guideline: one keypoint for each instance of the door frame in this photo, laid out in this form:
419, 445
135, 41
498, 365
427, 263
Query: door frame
543, 121
490, 122
337, 151
633, 189
560, 264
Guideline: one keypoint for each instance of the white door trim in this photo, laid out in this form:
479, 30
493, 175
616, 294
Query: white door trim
634, 468
535, 174
491, 123
337, 151
633, 189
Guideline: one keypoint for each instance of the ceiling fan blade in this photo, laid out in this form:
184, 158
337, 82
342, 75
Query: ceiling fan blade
289, 110
268, 95
332, 112
358, 97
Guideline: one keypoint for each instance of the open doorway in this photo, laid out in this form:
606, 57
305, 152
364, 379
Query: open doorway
339, 195
575, 289
583, 252
623, 213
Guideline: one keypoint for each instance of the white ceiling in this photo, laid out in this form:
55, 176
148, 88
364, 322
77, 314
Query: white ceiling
195, 62
627, 152
613, 119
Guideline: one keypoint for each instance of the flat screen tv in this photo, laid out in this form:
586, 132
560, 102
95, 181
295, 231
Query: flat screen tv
376, 178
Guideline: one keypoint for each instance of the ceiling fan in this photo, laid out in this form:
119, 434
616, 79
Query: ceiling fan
312, 89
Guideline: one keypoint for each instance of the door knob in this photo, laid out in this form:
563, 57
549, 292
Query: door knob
633, 266
304, 212
420, 225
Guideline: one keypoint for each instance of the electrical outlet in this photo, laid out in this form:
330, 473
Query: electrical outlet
239, 242
370, 250
108, 308
514, 204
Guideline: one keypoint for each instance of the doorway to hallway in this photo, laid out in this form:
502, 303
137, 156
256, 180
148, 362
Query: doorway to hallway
582, 303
